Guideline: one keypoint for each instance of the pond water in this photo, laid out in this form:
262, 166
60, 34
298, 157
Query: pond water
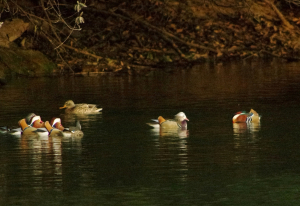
123, 161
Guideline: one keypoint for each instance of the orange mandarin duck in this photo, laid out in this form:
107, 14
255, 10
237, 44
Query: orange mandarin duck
252, 116
36, 122
29, 130
68, 132
53, 132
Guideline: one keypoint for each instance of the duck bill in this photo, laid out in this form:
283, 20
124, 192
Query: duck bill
62, 107
186, 119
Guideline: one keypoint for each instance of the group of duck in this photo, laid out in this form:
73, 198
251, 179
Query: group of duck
180, 120
32, 124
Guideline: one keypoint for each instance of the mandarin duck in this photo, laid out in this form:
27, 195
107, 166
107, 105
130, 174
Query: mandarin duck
68, 132
53, 132
73, 108
252, 116
29, 130
36, 122
179, 122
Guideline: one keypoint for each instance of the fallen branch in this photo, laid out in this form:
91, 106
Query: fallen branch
152, 50
175, 47
280, 15
82, 52
279, 56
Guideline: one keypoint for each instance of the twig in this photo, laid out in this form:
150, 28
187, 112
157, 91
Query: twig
49, 21
64, 40
138, 41
58, 13
65, 62
248, 57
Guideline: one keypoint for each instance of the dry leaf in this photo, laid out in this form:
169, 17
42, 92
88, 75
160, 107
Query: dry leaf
173, 26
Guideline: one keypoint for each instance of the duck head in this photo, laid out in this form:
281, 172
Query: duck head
37, 122
68, 104
181, 119
56, 123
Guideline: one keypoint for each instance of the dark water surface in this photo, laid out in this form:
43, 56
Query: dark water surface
122, 161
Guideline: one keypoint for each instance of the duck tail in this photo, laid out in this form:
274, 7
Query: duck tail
161, 119
23, 124
48, 126
253, 112
99, 110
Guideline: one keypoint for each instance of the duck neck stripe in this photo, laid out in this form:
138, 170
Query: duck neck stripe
26, 128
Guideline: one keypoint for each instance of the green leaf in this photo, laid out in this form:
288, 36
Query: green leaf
167, 59
150, 56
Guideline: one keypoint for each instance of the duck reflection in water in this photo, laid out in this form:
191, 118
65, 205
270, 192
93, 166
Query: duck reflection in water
182, 133
170, 127
242, 128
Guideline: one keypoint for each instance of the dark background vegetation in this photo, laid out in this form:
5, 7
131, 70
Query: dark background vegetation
133, 36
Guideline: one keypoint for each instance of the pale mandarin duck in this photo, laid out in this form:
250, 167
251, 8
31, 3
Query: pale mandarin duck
53, 132
252, 116
68, 132
179, 122
29, 130
71, 107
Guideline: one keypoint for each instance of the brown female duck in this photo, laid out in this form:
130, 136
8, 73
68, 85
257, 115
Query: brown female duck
73, 108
